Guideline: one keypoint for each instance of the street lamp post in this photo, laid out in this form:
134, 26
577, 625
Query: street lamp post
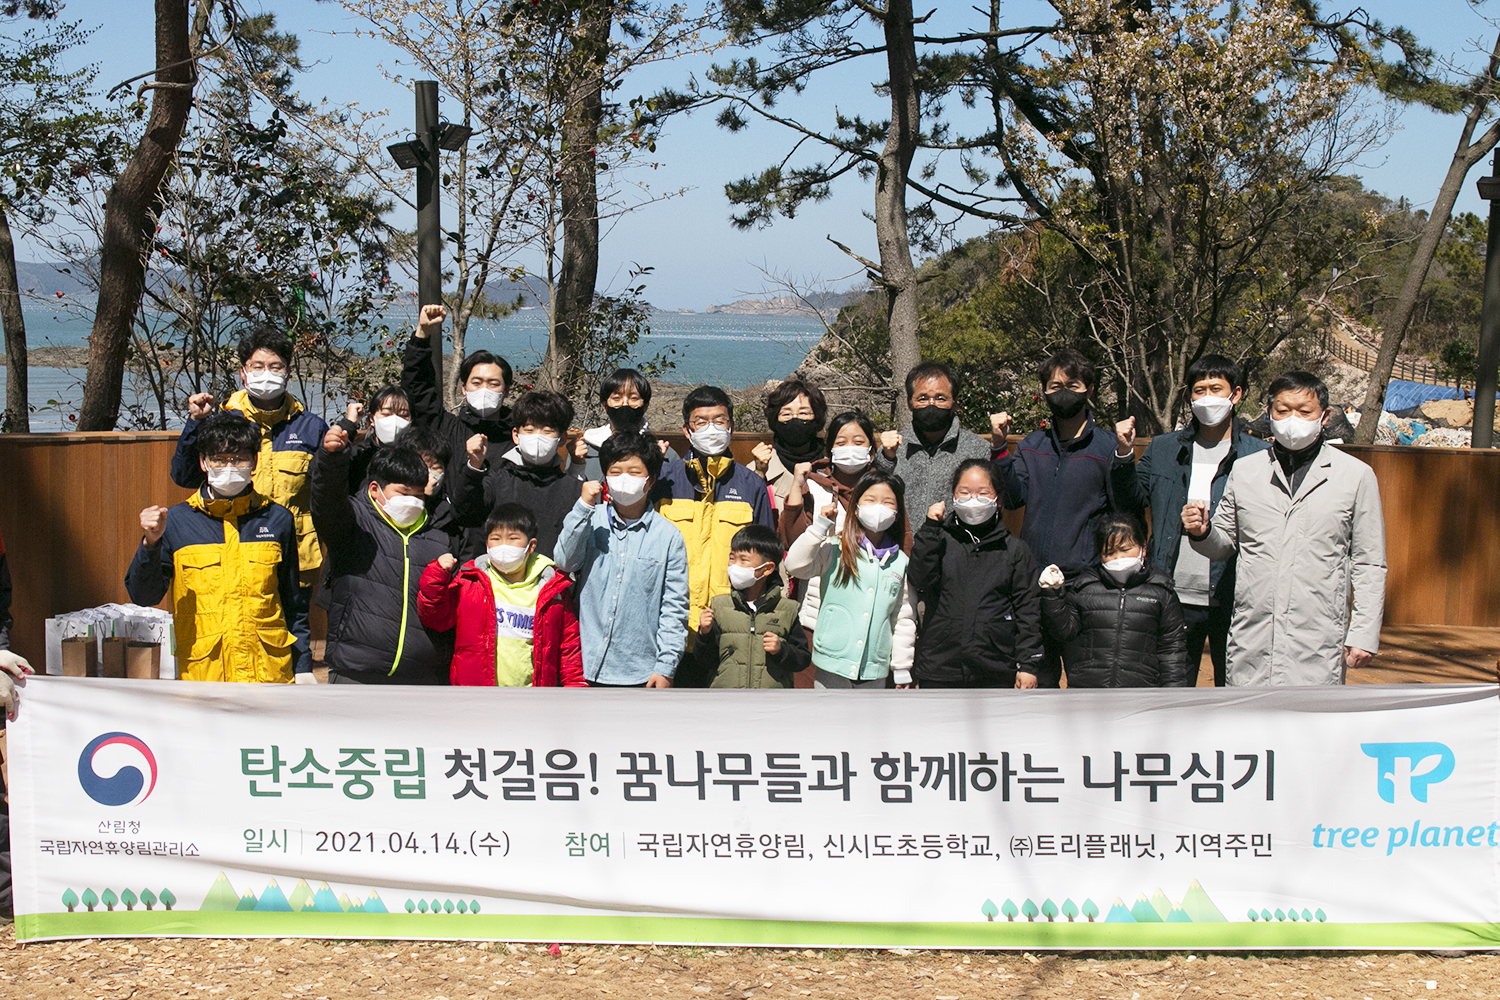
422, 154
1489, 318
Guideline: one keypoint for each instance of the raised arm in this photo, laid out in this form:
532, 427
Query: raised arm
333, 518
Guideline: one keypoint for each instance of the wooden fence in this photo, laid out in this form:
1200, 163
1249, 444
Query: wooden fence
1409, 369
70, 521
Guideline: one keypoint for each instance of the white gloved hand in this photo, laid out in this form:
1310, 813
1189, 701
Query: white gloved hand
14, 665
307, 678
1052, 578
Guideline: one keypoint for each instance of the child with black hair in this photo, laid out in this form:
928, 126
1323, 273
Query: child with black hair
229, 555
750, 637
1119, 620
624, 394
531, 473
631, 568
978, 582
379, 543
513, 612
373, 425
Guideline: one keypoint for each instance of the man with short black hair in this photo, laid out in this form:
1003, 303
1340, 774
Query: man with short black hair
485, 378
1061, 475
1191, 464
379, 543
1306, 522
531, 473
289, 435
925, 453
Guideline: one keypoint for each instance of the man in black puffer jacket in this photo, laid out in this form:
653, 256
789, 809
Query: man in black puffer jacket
979, 584
379, 542
1120, 621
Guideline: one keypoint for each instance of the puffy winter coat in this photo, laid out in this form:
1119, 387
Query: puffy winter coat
733, 654
465, 603
1119, 636
374, 632
983, 608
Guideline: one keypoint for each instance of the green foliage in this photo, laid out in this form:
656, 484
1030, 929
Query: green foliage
410, 906
608, 340
473, 906
69, 899
421, 906
1049, 910
90, 899
1090, 910
448, 906
1029, 910
148, 897
1253, 915
167, 898
127, 896
109, 899
1069, 910
989, 909
1321, 916
1009, 909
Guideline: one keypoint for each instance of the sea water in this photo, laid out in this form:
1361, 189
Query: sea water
722, 349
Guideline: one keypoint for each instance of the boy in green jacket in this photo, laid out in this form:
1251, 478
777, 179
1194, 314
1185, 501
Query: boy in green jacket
750, 637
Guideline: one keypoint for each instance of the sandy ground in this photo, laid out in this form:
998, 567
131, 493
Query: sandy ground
323, 970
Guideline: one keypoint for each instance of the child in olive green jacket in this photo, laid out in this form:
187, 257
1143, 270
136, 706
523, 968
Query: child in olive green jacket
750, 637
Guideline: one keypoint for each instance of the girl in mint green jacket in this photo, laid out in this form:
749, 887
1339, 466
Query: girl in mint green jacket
867, 619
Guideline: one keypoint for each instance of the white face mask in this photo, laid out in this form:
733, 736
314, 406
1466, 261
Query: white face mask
231, 481
403, 510
743, 577
627, 490
975, 510
1211, 411
388, 426
1121, 570
1294, 433
711, 440
537, 449
485, 402
876, 517
265, 386
850, 458
507, 558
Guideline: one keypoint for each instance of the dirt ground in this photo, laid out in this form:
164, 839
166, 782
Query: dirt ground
324, 970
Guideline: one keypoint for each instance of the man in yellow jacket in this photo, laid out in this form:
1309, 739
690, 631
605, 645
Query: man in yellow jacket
289, 435
229, 556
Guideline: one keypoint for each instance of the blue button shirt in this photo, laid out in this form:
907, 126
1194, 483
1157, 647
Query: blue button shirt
632, 592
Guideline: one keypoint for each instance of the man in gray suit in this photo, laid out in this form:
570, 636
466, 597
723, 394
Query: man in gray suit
1306, 522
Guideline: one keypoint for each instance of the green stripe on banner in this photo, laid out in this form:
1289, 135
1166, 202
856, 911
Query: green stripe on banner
773, 933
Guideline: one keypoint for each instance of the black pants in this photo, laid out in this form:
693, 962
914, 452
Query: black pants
1049, 672
1211, 624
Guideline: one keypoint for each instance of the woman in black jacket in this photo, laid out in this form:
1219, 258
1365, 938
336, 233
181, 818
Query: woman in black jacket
1120, 621
979, 585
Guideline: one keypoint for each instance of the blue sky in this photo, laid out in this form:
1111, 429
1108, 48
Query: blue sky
699, 258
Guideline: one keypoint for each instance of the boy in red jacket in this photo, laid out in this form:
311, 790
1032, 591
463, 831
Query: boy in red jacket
515, 613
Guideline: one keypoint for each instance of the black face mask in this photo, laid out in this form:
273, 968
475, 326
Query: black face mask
1065, 403
796, 434
931, 419
625, 418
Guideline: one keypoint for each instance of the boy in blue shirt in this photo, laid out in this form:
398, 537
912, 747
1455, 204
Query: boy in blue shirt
631, 568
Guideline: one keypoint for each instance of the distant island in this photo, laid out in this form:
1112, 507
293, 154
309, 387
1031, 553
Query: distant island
826, 303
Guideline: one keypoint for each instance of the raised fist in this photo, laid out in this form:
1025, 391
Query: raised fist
1052, 578
1125, 431
591, 493
1195, 519
200, 405
580, 449
889, 442
705, 621
154, 524
999, 428
336, 440
354, 411
935, 512
771, 644
478, 447
430, 320
762, 453
447, 561
830, 511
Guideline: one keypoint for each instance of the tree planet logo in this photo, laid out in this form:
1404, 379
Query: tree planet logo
123, 786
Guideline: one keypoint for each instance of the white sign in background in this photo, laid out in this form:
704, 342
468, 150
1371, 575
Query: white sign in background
1356, 805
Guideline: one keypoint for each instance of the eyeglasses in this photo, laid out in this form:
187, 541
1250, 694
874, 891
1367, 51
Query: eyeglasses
983, 493
228, 462
698, 423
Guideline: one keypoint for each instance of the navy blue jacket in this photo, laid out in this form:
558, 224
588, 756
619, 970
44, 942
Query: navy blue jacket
1065, 488
1160, 481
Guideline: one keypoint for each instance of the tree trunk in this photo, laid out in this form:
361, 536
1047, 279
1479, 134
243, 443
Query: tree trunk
17, 411
898, 274
130, 212
573, 299
1464, 157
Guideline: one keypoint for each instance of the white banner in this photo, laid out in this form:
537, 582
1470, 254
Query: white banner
1320, 818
